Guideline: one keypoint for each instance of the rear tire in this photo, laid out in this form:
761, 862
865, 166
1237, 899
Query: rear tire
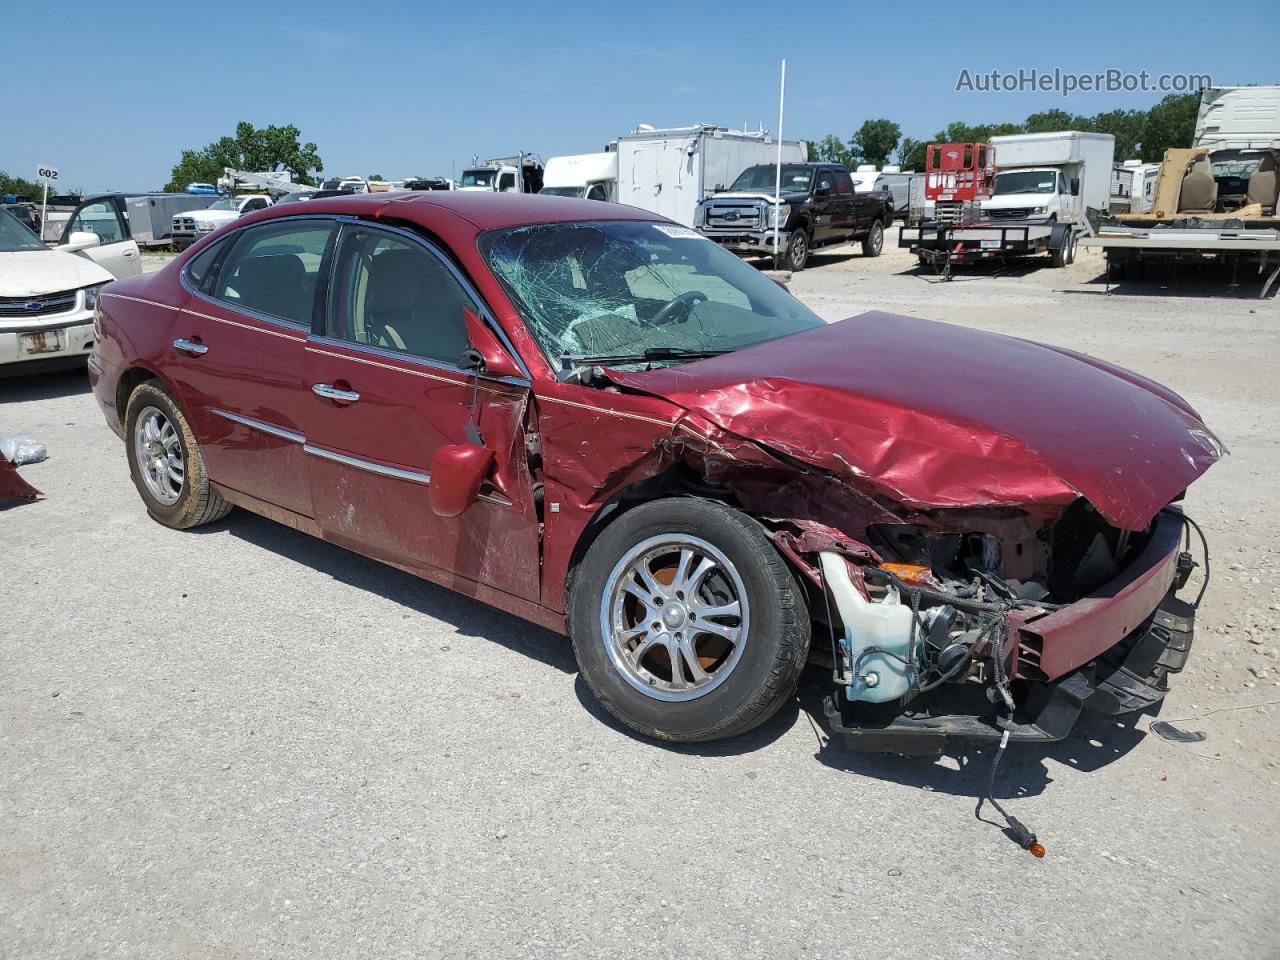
165, 461
1065, 253
629, 647
873, 242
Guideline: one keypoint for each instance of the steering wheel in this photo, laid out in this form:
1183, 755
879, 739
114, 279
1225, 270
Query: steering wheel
686, 300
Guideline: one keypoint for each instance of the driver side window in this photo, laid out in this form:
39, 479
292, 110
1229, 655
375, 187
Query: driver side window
101, 218
393, 293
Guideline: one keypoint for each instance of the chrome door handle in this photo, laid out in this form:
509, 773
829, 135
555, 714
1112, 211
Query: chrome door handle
330, 392
186, 346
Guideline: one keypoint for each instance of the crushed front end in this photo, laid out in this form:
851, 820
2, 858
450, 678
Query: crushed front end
976, 623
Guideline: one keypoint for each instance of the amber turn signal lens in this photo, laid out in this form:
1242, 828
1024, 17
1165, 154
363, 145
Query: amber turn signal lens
1036, 850
908, 572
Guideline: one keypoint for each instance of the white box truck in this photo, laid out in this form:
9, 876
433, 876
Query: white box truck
670, 171
1044, 184
590, 175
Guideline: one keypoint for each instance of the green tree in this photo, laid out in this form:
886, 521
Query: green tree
1051, 121
267, 148
1170, 123
830, 149
20, 186
1125, 125
911, 154
875, 141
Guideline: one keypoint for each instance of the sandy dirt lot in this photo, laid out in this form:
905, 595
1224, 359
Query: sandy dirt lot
245, 742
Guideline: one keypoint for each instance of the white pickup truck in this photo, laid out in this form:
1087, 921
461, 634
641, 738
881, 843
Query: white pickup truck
190, 227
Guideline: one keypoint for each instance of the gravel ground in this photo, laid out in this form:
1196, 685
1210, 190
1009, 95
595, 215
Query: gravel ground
242, 742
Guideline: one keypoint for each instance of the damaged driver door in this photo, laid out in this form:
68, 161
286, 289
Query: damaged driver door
391, 385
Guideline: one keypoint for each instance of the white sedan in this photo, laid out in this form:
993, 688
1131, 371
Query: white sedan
47, 296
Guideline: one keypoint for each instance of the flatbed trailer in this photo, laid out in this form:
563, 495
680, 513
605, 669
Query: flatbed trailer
944, 243
1128, 248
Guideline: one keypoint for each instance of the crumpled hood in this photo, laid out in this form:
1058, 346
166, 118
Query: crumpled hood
30, 273
936, 416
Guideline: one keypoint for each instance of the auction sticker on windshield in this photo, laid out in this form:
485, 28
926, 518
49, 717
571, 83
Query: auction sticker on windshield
673, 231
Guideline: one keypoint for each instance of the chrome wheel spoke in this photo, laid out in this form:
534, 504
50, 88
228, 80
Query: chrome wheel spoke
685, 652
719, 629
733, 609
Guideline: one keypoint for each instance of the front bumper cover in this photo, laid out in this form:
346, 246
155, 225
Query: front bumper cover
1130, 676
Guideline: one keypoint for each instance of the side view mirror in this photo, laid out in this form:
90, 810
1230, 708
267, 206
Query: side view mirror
718, 188
1075, 186
457, 473
486, 355
80, 240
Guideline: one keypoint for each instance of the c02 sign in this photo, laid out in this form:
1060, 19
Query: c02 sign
47, 173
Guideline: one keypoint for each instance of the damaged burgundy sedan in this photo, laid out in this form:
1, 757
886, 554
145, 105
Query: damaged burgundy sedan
604, 423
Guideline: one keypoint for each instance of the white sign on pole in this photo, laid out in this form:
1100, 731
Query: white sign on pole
47, 173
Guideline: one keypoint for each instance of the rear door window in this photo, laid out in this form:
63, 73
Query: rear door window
275, 268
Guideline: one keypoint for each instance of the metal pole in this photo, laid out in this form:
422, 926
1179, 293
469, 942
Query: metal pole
44, 209
777, 180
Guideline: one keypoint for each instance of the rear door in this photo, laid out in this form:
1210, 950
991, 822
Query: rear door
386, 390
239, 353
843, 222
116, 251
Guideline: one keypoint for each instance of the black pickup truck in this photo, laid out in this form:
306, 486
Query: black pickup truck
819, 206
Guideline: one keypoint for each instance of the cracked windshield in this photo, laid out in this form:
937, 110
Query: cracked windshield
632, 292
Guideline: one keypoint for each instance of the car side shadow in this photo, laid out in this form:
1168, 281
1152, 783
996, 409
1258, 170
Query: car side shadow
469, 617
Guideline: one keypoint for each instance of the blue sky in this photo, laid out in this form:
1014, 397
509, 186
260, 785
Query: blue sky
118, 90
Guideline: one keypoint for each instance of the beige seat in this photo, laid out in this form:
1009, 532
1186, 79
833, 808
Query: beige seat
1263, 184
1199, 189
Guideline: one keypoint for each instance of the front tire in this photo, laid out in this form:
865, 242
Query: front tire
686, 622
798, 250
165, 461
873, 242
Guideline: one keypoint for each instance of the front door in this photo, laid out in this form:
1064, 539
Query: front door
116, 252
239, 348
386, 390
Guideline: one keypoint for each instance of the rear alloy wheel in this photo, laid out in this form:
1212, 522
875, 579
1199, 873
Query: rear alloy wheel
873, 242
798, 251
165, 461
686, 622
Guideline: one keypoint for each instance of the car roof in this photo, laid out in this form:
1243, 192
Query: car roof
484, 211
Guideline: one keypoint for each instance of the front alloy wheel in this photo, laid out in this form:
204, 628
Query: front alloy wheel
675, 616
686, 622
